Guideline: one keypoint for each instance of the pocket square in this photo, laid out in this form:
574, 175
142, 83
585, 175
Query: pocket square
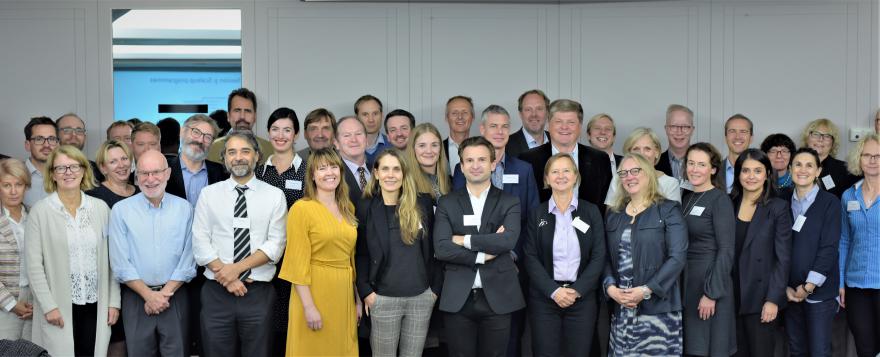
542, 223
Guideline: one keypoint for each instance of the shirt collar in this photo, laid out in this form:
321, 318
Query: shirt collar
573, 153
530, 139
252, 184
353, 166
482, 194
571, 206
297, 160
33, 169
55, 201
146, 201
809, 198
183, 167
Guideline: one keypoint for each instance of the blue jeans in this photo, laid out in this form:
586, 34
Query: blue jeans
809, 327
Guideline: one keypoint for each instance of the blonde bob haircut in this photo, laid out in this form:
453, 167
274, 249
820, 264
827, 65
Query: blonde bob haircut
15, 168
328, 156
423, 183
104, 150
408, 213
561, 156
652, 189
854, 158
814, 125
637, 134
88, 179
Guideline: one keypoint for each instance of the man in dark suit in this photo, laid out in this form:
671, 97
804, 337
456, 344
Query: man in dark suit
351, 142
459, 116
601, 133
679, 128
533, 106
475, 230
566, 120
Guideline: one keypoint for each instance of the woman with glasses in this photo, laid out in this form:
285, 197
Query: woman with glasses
823, 136
859, 247
425, 152
645, 142
76, 297
114, 160
15, 297
647, 248
779, 148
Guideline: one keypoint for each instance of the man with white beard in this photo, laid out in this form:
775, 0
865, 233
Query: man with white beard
190, 172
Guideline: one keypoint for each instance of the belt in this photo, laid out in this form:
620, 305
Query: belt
564, 284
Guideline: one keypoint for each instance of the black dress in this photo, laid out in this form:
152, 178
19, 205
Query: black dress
711, 225
834, 177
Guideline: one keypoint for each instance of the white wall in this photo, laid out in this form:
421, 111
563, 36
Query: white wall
780, 62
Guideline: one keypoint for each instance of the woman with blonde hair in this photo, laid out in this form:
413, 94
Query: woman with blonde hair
114, 159
15, 301
76, 297
425, 151
644, 141
647, 248
319, 262
823, 136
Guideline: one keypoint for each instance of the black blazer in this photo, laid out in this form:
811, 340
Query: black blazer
99, 177
815, 247
659, 253
517, 143
593, 166
765, 260
541, 226
663, 164
839, 174
372, 243
617, 160
499, 276
216, 173
354, 188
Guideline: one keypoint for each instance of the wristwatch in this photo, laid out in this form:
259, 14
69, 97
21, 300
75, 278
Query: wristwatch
647, 293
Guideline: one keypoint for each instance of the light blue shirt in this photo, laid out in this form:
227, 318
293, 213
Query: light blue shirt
531, 142
859, 246
193, 183
498, 174
153, 244
381, 142
728, 174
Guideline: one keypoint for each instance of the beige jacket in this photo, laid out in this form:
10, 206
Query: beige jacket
48, 267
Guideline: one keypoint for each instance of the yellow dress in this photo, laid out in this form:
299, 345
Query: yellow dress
320, 254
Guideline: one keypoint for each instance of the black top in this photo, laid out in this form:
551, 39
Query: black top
269, 174
710, 222
405, 273
836, 169
109, 197
742, 228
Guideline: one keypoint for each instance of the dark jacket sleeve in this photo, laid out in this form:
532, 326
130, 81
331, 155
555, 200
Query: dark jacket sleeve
436, 271
676, 237
718, 281
458, 180
829, 239
504, 242
588, 280
781, 213
538, 276
362, 261
608, 275
444, 249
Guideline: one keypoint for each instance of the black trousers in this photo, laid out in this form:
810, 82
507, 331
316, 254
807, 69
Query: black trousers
863, 316
561, 332
165, 334
237, 326
754, 338
85, 329
476, 330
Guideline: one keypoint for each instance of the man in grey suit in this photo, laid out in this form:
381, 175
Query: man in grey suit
475, 230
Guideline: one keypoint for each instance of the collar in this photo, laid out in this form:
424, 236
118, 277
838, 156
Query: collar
503, 161
146, 201
33, 169
55, 201
573, 153
531, 140
183, 167
571, 206
6, 214
353, 167
727, 165
297, 160
482, 194
252, 184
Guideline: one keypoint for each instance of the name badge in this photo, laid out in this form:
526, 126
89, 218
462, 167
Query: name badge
687, 185
828, 182
471, 220
697, 211
852, 206
293, 185
241, 223
509, 178
799, 223
580, 225
420, 226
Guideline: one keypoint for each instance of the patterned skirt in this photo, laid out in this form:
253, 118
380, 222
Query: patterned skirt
645, 335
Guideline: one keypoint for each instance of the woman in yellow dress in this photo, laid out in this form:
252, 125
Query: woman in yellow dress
319, 262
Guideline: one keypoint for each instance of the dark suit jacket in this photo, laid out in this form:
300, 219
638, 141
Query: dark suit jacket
815, 247
446, 147
838, 172
592, 164
663, 164
617, 159
765, 260
373, 244
354, 188
499, 275
3, 157
659, 253
541, 227
216, 173
517, 143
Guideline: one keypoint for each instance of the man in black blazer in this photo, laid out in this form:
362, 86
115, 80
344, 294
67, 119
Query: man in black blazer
679, 128
475, 230
197, 133
351, 142
459, 116
566, 119
533, 106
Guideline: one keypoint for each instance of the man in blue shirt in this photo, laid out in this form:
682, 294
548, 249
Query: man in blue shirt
151, 255
190, 171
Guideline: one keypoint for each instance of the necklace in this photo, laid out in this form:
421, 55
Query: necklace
634, 209
693, 202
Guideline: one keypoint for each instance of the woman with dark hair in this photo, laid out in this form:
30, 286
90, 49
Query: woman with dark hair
779, 148
814, 279
709, 322
762, 254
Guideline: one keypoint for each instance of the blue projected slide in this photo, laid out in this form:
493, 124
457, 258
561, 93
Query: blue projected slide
138, 93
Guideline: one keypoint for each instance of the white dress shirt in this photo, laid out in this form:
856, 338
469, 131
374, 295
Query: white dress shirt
477, 203
213, 233
530, 140
354, 170
453, 155
36, 192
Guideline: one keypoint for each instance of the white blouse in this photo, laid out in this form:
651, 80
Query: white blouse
82, 244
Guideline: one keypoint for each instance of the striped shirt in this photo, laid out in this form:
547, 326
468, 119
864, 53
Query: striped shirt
859, 241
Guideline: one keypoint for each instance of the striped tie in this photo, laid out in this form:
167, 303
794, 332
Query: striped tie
242, 235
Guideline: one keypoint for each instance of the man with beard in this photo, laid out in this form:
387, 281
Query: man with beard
242, 115
155, 309
533, 106
320, 129
238, 235
398, 124
40, 138
190, 172
72, 131
679, 128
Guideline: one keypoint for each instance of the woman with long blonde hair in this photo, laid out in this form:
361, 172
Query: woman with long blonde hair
425, 152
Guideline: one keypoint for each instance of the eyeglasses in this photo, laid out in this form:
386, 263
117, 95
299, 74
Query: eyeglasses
777, 152
73, 168
147, 174
77, 131
818, 135
198, 134
680, 128
40, 140
870, 157
635, 171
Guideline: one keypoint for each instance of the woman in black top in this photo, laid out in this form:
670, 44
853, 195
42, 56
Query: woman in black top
709, 324
397, 275
114, 160
762, 254
823, 136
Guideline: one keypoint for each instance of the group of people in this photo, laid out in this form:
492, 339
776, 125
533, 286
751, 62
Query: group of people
239, 245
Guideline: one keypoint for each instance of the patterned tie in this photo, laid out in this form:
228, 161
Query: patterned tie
362, 177
242, 235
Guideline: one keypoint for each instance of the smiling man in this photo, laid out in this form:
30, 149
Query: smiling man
72, 131
459, 117
532, 107
679, 129
190, 171
40, 138
398, 124
241, 106
351, 142
738, 130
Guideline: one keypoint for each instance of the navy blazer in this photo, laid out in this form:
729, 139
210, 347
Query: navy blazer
593, 166
354, 188
765, 260
815, 247
177, 187
659, 253
518, 144
541, 228
499, 276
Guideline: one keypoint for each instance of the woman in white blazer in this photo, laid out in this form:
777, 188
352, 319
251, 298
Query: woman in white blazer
76, 298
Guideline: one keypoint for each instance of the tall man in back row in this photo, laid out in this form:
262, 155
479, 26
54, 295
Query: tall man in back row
242, 111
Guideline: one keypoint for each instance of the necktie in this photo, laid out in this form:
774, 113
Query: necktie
242, 235
362, 177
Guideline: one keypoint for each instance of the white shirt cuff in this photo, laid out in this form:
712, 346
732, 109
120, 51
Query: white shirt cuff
816, 278
481, 258
467, 241
10, 305
553, 294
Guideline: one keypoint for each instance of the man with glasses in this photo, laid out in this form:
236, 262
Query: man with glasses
40, 138
679, 129
191, 172
738, 132
459, 116
72, 131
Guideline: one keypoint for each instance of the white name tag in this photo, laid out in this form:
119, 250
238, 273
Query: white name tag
471, 220
580, 225
799, 223
508, 178
293, 185
687, 185
697, 211
420, 226
241, 223
828, 182
853, 206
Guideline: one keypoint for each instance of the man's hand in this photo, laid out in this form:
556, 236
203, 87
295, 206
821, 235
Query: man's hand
458, 239
236, 288
227, 274
155, 302
768, 312
565, 297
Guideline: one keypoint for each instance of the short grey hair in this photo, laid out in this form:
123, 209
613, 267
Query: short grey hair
493, 109
245, 135
201, 118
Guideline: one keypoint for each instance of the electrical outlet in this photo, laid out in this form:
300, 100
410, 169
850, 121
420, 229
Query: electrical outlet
856, 134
